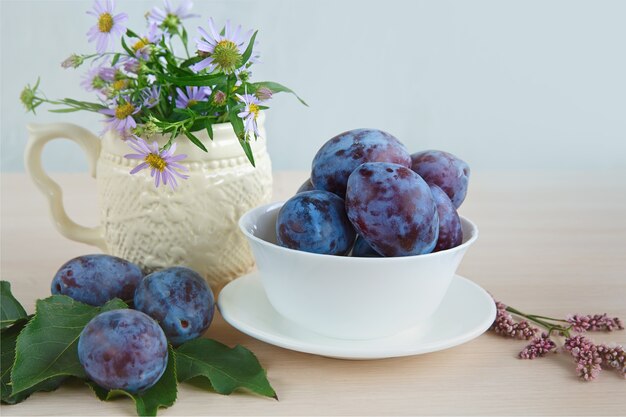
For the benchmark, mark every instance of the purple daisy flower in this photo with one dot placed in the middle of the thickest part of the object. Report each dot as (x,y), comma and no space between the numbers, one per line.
(97,78)
(108,27)
(169,18)
(223,52)
(163,163)
(242,74)
(151,96)
(130,65)
(193,95)
(121,115)
(250,113)
(143,45)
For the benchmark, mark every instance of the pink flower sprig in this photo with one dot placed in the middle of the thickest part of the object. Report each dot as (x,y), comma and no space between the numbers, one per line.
(589,358)
(505,326)
(596,322)
(538,347)
(613,357)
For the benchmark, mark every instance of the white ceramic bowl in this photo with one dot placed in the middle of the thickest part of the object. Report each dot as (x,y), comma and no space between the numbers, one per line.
(346,297)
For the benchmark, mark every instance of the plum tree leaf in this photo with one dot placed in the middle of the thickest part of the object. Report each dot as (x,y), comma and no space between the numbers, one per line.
(47,348)
(9,338)
(10,309)
(226,369)
(161,395)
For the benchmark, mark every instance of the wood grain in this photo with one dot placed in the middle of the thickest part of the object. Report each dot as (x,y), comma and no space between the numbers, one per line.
(550,243)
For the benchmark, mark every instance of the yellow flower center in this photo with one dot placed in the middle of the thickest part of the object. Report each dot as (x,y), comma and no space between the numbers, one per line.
(191,103)
(140,44)
(105,22)
(124,110)
(254,109)
(119,84)
(155,161)
(225,43)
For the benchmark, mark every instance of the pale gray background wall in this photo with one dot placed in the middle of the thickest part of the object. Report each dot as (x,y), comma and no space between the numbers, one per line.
(503,84)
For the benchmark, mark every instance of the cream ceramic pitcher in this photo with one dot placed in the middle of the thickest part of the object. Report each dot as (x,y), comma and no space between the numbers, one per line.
(195,225)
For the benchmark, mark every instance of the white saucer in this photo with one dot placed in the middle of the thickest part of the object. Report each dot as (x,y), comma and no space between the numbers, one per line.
(466,312)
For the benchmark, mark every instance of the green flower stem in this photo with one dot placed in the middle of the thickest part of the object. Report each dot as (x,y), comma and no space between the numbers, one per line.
(71,105)
(184,42)
(548,318)
(543,322)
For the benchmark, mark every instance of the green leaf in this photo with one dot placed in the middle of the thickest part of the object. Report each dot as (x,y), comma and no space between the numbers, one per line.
(75,105)
(197,125)
(195,140)
(161,395)
(116,58)
(248,52)
(226,369)
(10,309)
(70,110)
(245,145)
(238,127)
(209,128)
(237,123)
(197,80)
(126,48)
(131,34)
(9,338)
(47,347)
(188,62)
(184,37)
(276,88)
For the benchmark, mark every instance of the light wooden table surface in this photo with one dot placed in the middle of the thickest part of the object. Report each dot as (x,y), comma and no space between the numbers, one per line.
(550,244)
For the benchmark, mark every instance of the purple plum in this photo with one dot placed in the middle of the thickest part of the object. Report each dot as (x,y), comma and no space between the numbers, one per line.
(362,249)
(315,221)
(179,299)
(96,279)
(450,232)
(393,209)
(123,349)
(341,155)
(444,170)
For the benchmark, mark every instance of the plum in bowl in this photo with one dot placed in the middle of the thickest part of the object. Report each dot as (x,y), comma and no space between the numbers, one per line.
(350,297)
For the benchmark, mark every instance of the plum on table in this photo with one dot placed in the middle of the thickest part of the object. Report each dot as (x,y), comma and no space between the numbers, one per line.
(96,279)
(123,349)
(179,299)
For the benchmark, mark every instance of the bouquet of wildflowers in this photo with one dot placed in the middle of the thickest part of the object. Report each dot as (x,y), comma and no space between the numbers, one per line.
(150,88)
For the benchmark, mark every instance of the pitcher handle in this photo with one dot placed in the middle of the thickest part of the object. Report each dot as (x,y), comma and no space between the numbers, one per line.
(38,136)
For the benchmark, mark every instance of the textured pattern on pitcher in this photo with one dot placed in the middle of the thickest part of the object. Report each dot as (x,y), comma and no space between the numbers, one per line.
(194,226)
